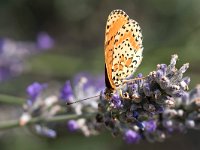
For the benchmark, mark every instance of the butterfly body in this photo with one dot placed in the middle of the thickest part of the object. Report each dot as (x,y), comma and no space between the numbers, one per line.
(123,48)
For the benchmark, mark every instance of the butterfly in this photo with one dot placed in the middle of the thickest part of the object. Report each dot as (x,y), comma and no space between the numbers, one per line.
(123,48)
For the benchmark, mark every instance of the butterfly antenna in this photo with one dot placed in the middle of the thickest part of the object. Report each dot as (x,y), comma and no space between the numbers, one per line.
(135,79)
(70,103)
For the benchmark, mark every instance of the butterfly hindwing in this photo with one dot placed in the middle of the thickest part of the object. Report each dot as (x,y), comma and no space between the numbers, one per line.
(123,48)
(127,53)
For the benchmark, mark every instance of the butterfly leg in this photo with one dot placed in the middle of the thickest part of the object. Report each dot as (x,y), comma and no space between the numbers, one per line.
(124,95)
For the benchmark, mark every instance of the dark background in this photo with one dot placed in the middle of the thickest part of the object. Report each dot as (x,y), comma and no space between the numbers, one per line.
(169,27)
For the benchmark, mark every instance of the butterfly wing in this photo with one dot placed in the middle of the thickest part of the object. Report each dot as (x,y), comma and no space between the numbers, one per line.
(127,53)
(116,20)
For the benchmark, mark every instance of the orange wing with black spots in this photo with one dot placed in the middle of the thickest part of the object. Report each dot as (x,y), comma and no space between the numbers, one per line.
(123,48)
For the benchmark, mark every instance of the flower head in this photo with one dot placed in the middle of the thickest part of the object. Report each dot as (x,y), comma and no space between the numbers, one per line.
(138,104)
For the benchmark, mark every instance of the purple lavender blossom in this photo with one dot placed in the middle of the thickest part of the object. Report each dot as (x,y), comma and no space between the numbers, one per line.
(116,101)
(135,87)
(145,100)
(41,104)
(44,131)
(150,126)
(34,90)
(66,93)
(140,75)
(131,137)
(135,114)
(44,41)
(163,67)
(159,74)
(13,54)
(146,88)
(88,81)
(84,79)
(72,125)
(85,86)
(150,108)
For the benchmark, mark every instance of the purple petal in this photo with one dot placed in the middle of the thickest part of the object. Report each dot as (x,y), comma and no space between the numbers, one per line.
(45,131)
(72,125)
(140,75)
(150,126)
(146,88)
(131,136)
(34,90)
(159,74)
(66,93)
(116,100)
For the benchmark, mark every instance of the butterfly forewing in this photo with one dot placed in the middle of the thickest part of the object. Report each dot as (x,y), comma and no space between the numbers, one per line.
(116,20)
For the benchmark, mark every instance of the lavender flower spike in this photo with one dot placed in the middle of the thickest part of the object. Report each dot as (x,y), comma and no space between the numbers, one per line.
(142,102)
(49,103)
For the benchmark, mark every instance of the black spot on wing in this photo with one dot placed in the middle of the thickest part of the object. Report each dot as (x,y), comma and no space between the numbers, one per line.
(135,61)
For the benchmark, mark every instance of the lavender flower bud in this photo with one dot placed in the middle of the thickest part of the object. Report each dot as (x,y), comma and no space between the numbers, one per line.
(131,136)
(134,87)
(164,82)
(72,125)
(44,131)
(186,80)
(173,61)
(159,74)
(183,85)
(34,90)
(184,68)
(157,94)
(67,93)
(140,75)
(116,101)
(146,88)
(150,126)
(135,114)
(190,123)
(163,67)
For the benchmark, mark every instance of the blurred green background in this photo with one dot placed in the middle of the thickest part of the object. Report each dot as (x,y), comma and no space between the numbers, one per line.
(78,26)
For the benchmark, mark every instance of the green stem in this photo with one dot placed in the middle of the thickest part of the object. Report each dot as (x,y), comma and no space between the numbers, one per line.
(11,99)
(60,118)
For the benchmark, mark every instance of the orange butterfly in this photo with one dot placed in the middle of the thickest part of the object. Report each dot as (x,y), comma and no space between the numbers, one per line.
(123,48)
